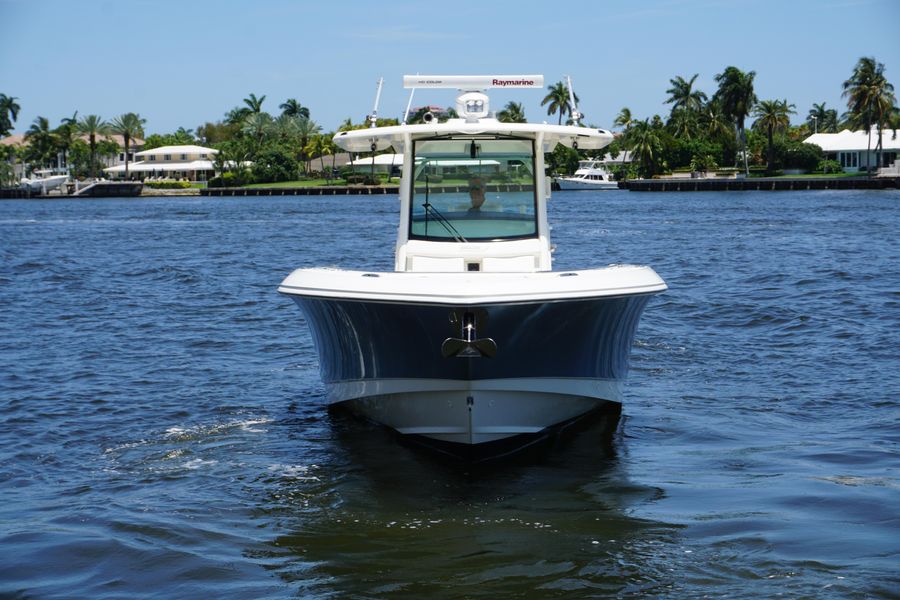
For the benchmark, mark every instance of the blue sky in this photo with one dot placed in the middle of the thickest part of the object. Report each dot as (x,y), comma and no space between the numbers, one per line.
(181,63)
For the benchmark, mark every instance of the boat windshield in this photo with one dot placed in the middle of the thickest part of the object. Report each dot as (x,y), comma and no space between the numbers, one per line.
(467,189)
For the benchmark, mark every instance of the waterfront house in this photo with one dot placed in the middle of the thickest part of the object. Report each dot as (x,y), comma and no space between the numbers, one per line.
(193,163)
(850,147)
(112,160)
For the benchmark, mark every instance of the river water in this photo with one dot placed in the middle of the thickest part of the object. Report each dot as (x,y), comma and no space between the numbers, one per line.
(163,430)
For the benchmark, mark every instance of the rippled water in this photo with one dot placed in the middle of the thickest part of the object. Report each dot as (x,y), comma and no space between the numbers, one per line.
(163,430)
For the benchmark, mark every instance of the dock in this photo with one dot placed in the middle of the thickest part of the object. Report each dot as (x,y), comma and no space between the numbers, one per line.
(331,190)
(761,184)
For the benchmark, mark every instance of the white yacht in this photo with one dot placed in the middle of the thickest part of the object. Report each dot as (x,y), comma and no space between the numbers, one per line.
(43,180)
(473,343)
(590,175)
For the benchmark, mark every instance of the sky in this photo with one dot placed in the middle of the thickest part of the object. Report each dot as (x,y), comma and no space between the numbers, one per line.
(182,63)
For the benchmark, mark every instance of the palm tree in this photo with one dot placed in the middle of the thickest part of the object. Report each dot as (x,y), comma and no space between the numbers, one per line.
(9,112)
(236,115)
(319,146)
(624,118)
(772,116)
(285,127)
(129,126)
(645,145)
(306,128)
(558,100)
(713,121)
(184,136)
(736,96)
(256,125)
(92,126)
(41,141)
(292,108)
(65,135)
(683,123)
(683,96)
(254,103)
(869,99)
(817,116)
(513,112)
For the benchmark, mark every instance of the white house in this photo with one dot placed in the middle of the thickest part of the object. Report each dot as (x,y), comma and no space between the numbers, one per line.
(850,147)
(194,163)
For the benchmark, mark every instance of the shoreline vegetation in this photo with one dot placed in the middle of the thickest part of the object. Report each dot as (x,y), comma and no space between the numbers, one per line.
(701,134)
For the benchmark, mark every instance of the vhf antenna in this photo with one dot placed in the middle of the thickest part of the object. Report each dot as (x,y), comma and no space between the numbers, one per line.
(573,108)
(408,105)
(373,118)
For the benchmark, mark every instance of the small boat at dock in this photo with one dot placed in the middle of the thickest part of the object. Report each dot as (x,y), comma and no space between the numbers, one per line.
(43,181)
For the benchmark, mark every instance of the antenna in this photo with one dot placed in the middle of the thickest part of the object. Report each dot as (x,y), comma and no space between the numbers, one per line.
(573,108)
(408,105)
(373,118)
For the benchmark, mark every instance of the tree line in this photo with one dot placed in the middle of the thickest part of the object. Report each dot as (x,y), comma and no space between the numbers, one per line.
(701,132)
(704,132)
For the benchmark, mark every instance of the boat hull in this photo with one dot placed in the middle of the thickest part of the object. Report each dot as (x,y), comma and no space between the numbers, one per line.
(566,183)
(554,361)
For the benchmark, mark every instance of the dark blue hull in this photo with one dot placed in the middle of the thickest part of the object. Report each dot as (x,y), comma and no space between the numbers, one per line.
(583,339)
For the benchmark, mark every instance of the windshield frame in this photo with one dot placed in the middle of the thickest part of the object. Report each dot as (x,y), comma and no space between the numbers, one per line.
(451,234)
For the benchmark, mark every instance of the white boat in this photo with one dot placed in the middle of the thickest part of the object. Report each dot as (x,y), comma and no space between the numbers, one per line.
(43,181)
(590,175)
(473,343)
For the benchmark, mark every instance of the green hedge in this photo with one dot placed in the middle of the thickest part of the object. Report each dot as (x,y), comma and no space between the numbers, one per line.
(168,185)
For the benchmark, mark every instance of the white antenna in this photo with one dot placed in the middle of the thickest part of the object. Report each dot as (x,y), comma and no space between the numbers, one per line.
(373,118)
(412,92)
(573,108)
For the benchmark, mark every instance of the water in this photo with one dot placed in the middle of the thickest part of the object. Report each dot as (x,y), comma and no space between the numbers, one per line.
(163,431)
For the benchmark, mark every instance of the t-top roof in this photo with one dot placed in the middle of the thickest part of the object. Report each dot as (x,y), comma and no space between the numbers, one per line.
(381,138)
(188,149)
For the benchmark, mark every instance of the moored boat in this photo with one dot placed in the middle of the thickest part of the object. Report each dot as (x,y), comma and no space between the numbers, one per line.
(590,175)
(473,343)
(43,180)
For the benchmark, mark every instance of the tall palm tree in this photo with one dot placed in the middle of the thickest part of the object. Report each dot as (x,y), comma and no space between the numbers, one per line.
(513,112)
(65,135)
(646,146)
(9,112)
(185,136)
(772,116)
(683,123)
(254,103)
(682,95)
(714,122)
(41,141)
(306,128)
(737,97)
(624,118)
(558,100)
(129,126)
(319,146)
(869,99)
(92,126)
(331,149)
(285,127)
(256,125)
(822,119)
(292,108)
